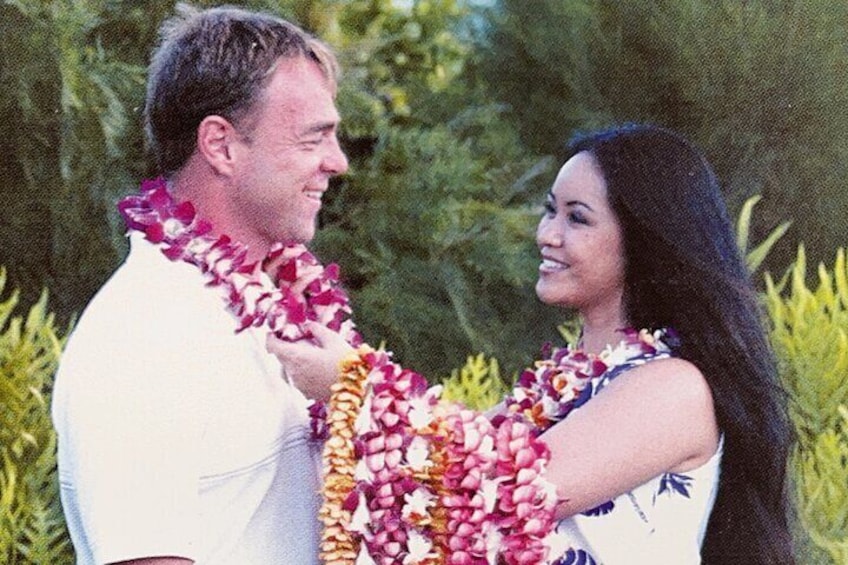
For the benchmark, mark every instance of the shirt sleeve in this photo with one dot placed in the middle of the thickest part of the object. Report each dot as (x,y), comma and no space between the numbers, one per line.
(131,424)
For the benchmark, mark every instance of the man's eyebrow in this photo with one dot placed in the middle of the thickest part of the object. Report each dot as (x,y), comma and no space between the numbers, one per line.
(321,127)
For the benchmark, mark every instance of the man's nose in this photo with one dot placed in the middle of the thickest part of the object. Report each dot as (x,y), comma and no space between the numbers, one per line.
(335,162)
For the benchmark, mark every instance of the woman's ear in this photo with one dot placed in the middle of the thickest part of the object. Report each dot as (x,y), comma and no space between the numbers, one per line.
(215,139)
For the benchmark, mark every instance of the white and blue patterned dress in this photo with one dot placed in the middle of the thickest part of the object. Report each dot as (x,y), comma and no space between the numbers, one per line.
(660,522)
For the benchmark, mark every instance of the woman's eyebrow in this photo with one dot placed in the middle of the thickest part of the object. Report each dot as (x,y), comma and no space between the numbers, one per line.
(579,203)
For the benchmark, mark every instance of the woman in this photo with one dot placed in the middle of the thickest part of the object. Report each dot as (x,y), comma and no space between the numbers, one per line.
(635,235)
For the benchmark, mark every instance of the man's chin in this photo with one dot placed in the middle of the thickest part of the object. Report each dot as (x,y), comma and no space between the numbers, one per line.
(302,234)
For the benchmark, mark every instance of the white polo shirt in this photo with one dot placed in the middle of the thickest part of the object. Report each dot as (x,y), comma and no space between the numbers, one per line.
(178,437)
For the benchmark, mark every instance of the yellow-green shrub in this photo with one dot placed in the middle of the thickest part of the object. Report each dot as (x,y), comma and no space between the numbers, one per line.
(32,529)
(478,384)
(810,337)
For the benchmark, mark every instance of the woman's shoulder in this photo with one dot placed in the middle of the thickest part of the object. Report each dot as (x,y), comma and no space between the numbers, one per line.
(670,375)
(678,394)
(672,384)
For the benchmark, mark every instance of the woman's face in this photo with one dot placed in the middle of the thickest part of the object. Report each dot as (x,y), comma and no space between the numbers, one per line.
(580,241)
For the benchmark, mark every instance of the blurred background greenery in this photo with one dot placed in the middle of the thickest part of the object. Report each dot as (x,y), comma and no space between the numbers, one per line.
(454,113)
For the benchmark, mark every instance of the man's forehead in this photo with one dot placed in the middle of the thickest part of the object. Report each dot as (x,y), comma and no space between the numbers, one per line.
(297,87)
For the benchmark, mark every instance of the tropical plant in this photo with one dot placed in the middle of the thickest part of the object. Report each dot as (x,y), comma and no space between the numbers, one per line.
(66,130)
(810,336)
(433,224)
(478,384)
(32,528)
(755,256)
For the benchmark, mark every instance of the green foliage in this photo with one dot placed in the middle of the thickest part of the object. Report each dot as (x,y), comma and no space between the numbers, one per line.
(433,224)
(755,257)
(32,528)
(478,384)
(404,54)
(67,125)
(437,250)
(759,85)
(810,336)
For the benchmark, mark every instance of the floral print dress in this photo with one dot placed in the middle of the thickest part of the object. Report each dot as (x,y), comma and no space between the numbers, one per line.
(660,522)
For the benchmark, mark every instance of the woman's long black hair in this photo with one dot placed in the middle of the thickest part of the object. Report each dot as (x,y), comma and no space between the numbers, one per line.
(683,270)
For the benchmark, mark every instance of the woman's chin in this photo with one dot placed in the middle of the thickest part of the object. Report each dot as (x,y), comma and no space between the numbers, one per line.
(551,296)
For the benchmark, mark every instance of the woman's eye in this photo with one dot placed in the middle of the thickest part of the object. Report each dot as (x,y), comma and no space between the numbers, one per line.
(550,209)
(577,218)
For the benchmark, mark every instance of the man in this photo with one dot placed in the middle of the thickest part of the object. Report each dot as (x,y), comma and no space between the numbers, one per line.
(179,442)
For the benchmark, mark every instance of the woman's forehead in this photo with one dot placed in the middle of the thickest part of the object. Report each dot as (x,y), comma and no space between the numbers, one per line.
(580,179)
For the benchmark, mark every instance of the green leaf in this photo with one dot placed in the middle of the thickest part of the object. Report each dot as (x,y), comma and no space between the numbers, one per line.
(743,223)
(758,254)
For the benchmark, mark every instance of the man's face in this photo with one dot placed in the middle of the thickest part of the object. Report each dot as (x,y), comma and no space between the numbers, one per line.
(284,165)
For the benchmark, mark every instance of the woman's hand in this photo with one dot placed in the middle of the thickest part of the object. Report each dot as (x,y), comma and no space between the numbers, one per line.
(312,365)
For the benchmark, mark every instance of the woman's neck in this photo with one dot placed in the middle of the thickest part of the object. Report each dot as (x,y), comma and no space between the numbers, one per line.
(602,328)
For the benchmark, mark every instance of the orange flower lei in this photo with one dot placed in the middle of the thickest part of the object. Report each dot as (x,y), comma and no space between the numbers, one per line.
(338,544)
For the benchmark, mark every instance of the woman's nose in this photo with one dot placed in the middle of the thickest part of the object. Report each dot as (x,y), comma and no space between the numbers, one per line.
(548,235)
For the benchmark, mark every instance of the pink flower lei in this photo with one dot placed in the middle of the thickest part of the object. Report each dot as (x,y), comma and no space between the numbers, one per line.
(253,296)
(430,482)
(553,387)
(408,479)
(425,482)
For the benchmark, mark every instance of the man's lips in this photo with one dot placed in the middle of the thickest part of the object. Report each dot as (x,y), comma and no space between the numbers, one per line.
(314,194)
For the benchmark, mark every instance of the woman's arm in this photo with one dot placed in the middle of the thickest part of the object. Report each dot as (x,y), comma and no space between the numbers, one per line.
(655,418)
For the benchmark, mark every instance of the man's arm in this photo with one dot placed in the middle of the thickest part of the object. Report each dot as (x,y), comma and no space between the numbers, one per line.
(156,561)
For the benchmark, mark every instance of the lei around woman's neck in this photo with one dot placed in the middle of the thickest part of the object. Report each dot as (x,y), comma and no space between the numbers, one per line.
(560,382)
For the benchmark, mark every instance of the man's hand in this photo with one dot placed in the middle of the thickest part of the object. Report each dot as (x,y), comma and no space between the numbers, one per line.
(312,365)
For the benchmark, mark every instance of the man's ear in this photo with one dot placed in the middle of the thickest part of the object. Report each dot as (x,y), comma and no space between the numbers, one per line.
(215,139)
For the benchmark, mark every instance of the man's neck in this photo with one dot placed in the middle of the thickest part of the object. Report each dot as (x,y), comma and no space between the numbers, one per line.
(207,192)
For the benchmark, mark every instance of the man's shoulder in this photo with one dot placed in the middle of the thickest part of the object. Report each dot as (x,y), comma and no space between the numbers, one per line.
(148,286)
(150,304)
(154,328)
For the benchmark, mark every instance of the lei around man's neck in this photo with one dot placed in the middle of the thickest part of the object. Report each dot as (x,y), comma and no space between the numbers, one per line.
(255,297)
